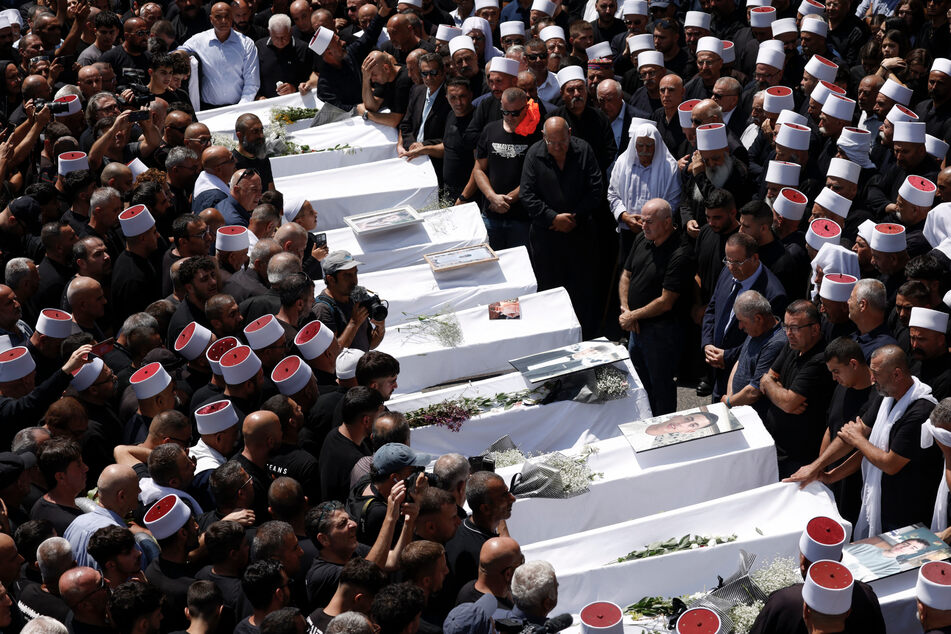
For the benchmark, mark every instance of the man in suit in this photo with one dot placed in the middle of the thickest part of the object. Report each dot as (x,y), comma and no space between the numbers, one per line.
(617,110)
(423,125)
(721,337)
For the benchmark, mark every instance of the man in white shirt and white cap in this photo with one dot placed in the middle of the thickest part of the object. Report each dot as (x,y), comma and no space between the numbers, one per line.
(218,430)
(929,349)
(911,158)
(821,542)
(933,593)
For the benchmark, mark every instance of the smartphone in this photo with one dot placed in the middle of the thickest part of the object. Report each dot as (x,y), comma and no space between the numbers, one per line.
(320,240)
(67,60)
(103,347)
(139,115)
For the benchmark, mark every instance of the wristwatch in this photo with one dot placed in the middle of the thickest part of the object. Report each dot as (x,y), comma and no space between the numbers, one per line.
(366,115)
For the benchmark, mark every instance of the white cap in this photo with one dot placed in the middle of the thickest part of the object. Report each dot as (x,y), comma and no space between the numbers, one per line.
(821,68)
(783,173)
(292,207)
(460,43)
(313,339)
(822,231)
(55,323)
(74,105)
(684,110)
(599,51)
(710,44)
(811,7)
(135,221)
(867,230)
(192,341)
(909,132)
(217,350)
(833,202)
(837,287)
(698,19)
(650,58)
(634,7)
(479,4)
(86,374)
(936,147)
(711,136)
(321,40)
(291,375)
(71,162)
(775,44)
(823,89)
(149,380)
(793,136)
(784,25)
(346,367)
(788,116)
(845,169)
(918,191)
(551,32)
(642,42)
(823,537)
(900,113)
(15,364)
(444,32)
(545,6)
(771,57)
(896,92)
(263,331)
(777,98)
(167,516)
(928,319)
(238,365)
(815,25)
(762,17)
(512,27)
(504,65)
(136,166)
(888,237)
(790,204)
(859,138)
(13,15)
(941,65)
(729,52)
(828,588)
(758,3)
(569,73)
(215,417)
(934,585)
(839,107)
(232,238)
(699,621)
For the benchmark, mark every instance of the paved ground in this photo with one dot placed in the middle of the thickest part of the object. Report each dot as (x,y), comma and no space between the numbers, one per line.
(687,397)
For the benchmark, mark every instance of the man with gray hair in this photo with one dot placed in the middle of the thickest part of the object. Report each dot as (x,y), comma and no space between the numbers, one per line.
(285,61)
(765,339)
(252,280)
(534,591)
(244,196)
(279,266)
(181,171)
(452,473)
(47,625)
(105,205)
(350,623)
(867,306)
(54,557)
(22,276)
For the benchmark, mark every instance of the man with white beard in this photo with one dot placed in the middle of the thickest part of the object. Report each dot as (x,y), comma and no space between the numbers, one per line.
(710,167)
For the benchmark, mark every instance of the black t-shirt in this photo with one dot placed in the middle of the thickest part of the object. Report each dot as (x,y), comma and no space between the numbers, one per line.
(231,592)
(462,551)
(119,58)
(469,594)
(395,94)
(245,627)
(654,269)
(846,404)
(173,580)
(336,316)
(58,515)
(33,601)
(337,457)
(505,153)
(290,460)
(262,165)
(261,481)
(456,161)
(798,436)
(318,621)
(323,576)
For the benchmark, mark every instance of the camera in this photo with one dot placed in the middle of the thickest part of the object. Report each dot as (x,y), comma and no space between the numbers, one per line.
(55,107)
(137,81)
(374,305)
(481,463)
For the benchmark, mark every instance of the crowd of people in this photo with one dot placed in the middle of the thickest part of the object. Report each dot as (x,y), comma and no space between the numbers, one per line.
(754,197)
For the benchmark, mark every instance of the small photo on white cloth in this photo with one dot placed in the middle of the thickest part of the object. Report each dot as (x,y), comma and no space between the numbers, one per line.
(673,429)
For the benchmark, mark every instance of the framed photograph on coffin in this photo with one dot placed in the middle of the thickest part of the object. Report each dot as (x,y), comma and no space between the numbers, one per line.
(457,258)
(384,220)
(569,359)
(896,551)
(680,427)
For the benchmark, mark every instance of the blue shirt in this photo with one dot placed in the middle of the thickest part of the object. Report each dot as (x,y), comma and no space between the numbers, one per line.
(756,358)
(233,212)
(514,11)
(81,529)
(229,70)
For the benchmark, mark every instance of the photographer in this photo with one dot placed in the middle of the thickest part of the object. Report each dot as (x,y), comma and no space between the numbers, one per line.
(350,323)
(113,144)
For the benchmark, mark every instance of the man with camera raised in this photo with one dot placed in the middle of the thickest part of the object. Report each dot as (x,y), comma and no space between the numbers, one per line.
(350,321)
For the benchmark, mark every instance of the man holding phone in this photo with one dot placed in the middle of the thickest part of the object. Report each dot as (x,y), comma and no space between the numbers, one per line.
(112,139)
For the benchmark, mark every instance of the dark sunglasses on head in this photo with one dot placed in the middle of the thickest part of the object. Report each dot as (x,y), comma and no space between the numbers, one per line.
(248,173)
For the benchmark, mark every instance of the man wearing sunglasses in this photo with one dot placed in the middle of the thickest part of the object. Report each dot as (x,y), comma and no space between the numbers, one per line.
(422,128)
(133,53)
(536,57)
(86,593)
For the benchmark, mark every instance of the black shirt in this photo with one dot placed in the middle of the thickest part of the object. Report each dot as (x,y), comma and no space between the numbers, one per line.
(846,404)
(119,58)
(710,250)
(33,601)
(323,576)
(547,190)
(456,161)
(505,154)
(935,373)
(469,594)
(173,580)
(656,268)
(291,460)
(318,621)
(462,551)
(782,613)
(245,627)
(336,316)
(342,86)
(261,480)
(395,94)
(337,457)
(135,285)
(58,515)
(231,592)
(291,64)
(263,167)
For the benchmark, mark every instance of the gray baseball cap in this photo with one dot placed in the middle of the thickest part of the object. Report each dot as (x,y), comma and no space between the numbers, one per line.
(394,456)
(338,261)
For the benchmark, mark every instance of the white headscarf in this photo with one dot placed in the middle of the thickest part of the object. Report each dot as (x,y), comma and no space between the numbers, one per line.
(856,148)
(930,433)
(476,23)
(938,225)
(628,177)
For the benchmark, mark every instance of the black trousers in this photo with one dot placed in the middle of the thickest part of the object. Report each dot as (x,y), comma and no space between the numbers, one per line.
(567,260)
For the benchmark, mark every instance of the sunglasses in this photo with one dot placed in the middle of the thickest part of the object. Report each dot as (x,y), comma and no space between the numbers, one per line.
(248,173)
(512,113)
(430,73)
(534,57)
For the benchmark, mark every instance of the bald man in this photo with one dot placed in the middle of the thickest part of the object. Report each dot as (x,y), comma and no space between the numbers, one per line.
(301,12)
(498,559)
(118,496)
(89,80)
(211,186)
(118,176)
(262,437)
(10,561)
(176,124)
(197,138)
(84,591)
(88,302)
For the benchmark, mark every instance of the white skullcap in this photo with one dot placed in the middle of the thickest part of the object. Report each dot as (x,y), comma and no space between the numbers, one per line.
(684,111)
(783,173)
(71,162)
(167,517)
(461,43)
(570,73)
(215,417)
(313,339)
(192,341)
(545,6)
(601,50)
(828,588)
(85,375)
(790,204)
(815,25)
(710,44)
(900,113)
(936,147)
(793,136)
(55,323)
(777,98)
(551,32)
(711,136)
(504,65)
(762,17)
(650,58)
(135,221)
(346,367)
(928,319)
(934,584)
(837,287)
(845,169)
(444,32)
(321,40)
(291,375)
(822,68)
(149,380)
(896,92)
(634,7)
(839,107)
(784,25)
(811,7)
(822,231)
(941,65)
(697,19)
(889,237)
(788,116)
(238,365)
(833,202)
(771,57)
(232,238)
(15,363)
(512,27)
(918,191)
(909,132)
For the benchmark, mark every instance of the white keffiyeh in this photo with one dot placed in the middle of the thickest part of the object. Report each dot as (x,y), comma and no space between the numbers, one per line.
(869,522)
(930,433)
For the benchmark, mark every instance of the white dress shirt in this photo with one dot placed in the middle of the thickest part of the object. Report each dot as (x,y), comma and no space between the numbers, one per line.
(550,90)
(230,72)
